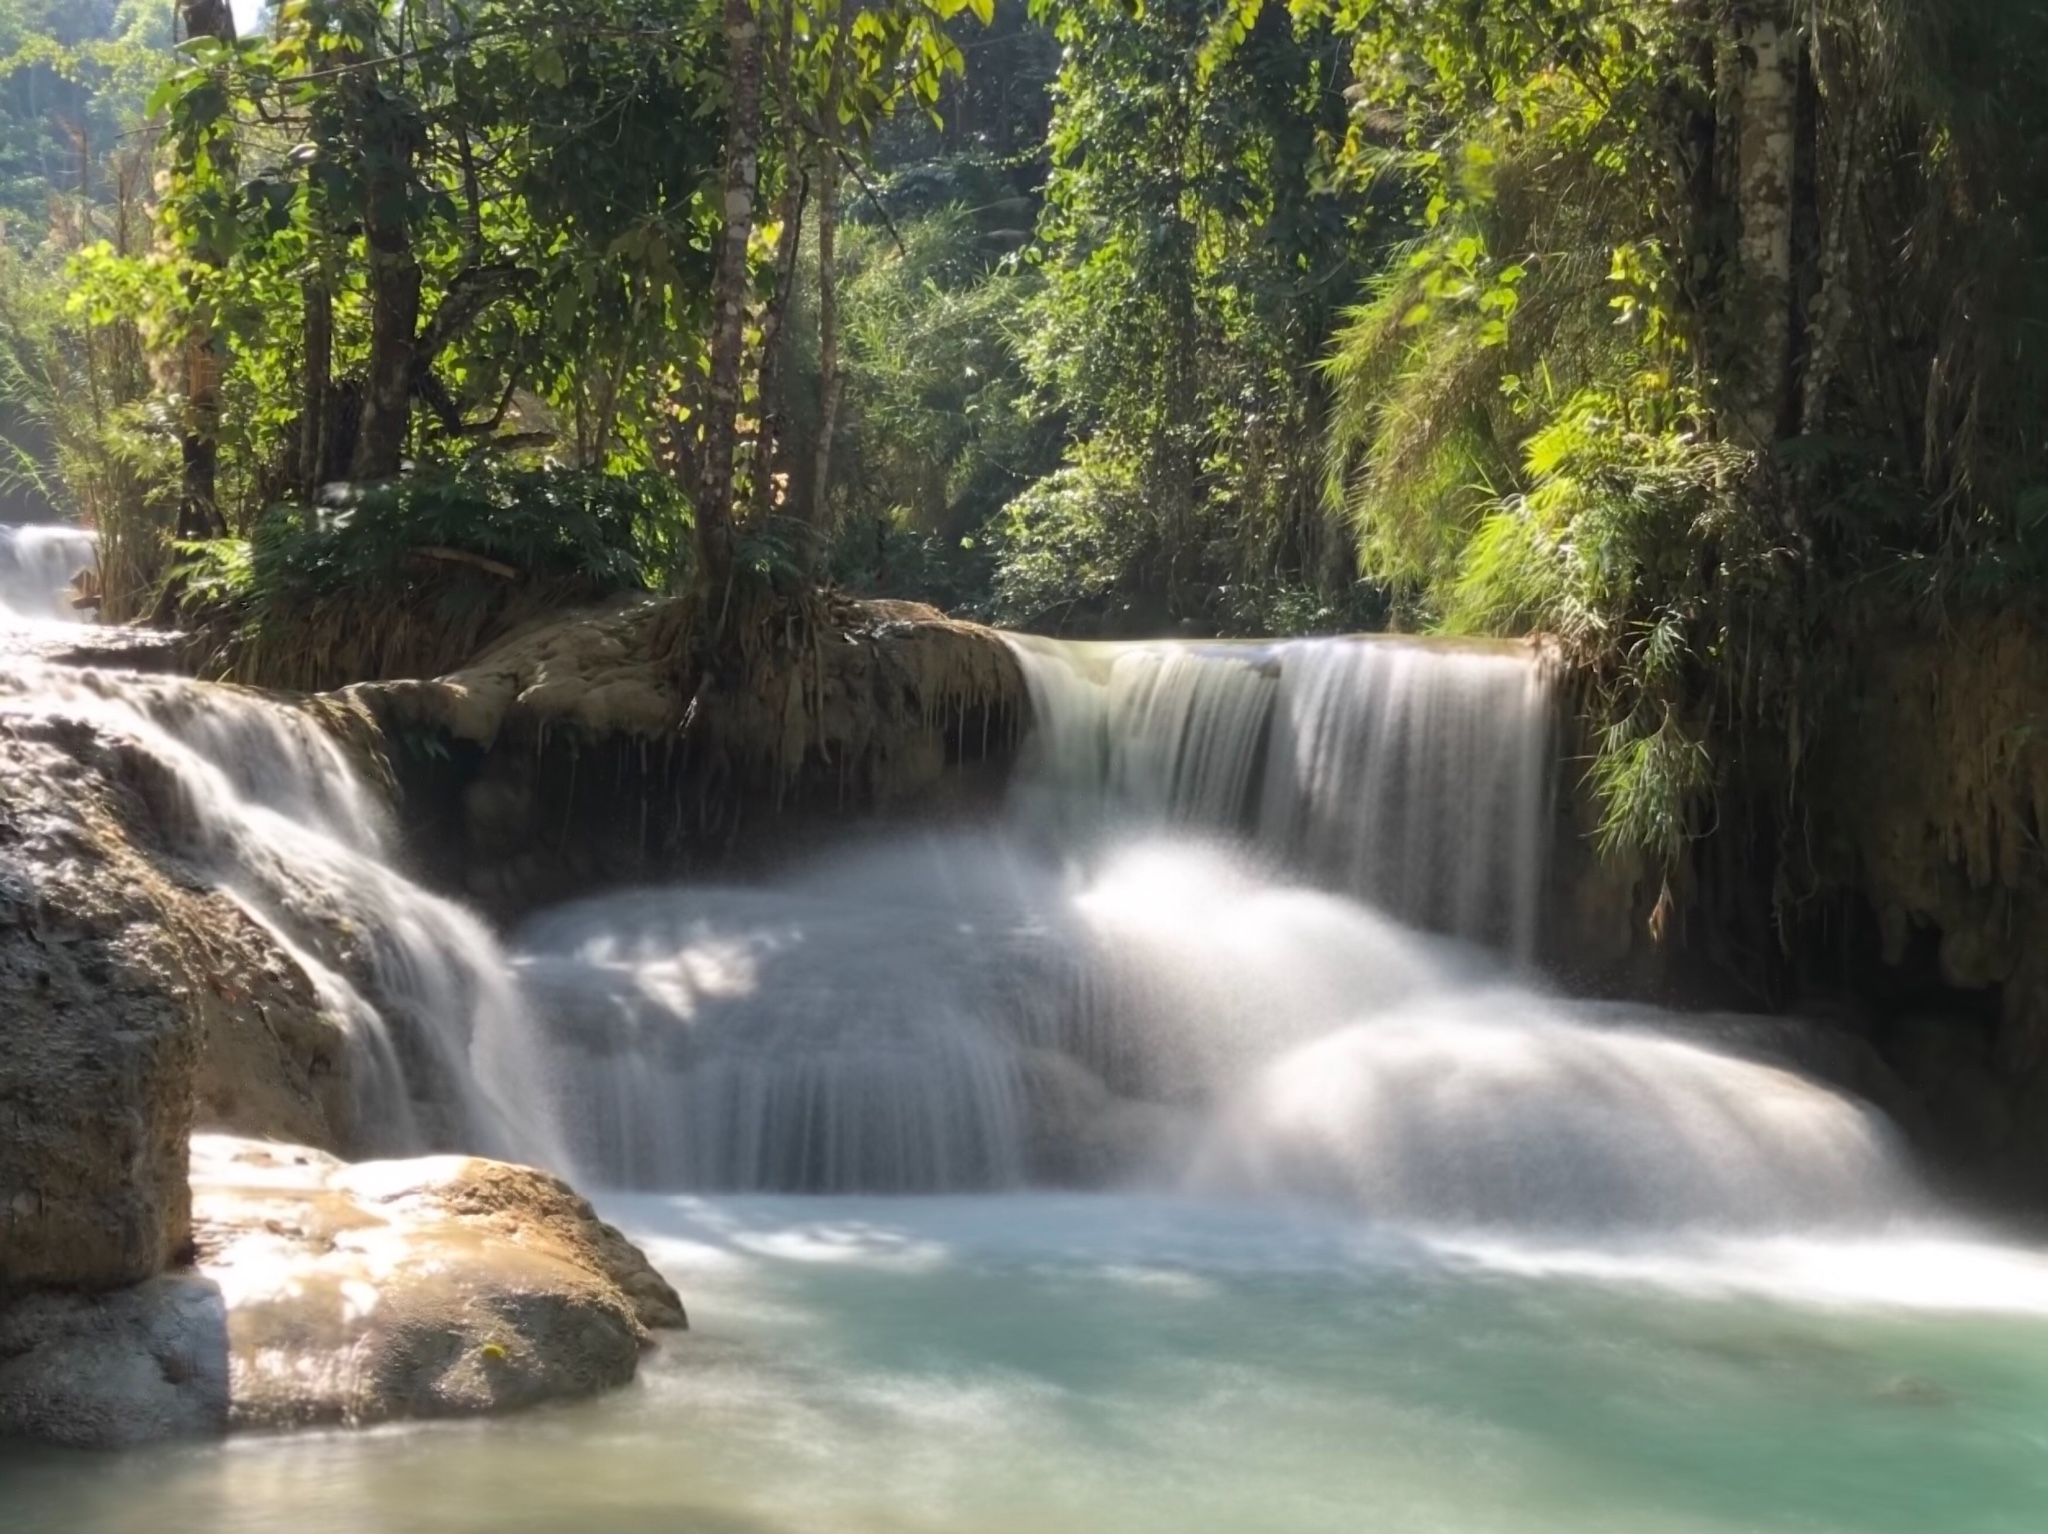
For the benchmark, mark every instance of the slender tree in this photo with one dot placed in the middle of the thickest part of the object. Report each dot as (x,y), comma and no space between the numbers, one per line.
(731,286)
(199,441)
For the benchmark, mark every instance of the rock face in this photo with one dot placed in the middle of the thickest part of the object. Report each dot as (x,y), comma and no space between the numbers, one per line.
(1934,787)
(98,1039)
(133,994)
(327,1293)
(588,751)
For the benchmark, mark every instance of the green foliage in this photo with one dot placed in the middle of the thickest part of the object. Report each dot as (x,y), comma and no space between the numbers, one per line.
(940,430)
(601,532)
(1196,247)
(411,577)
(73,77)
(1076,537)
(1536,420)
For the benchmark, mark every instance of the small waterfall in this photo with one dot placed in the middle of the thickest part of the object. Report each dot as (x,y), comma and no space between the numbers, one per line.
(854,1030)
(954,1013)
(1496,1108)
(1416,776)
(37,566)
(267,803)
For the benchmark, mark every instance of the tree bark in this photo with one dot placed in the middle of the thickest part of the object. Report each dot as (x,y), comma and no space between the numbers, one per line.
(1767,170)
(830,383)
(199,442)
(788,245)
(316,394)
(389,143)
(729,292)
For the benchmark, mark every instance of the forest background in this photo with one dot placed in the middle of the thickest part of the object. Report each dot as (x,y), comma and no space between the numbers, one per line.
(1702,338)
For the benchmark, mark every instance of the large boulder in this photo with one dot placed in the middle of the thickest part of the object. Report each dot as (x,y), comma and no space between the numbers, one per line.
(440,1287)
(332,1294)
(134,993)
(98,1033)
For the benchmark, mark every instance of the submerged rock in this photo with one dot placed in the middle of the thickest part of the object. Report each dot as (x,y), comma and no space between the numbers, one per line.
(334,1294)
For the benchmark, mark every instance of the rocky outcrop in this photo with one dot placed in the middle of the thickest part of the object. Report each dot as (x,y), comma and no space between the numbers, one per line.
(133,994)
(589,750)
(326,1293)
(99,1035)
(1931,793)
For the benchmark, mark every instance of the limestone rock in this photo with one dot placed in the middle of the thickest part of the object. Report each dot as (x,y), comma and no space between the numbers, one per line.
(98,1036)
(440,1287)
(130,991)
(559,760)
(106,1371)
(331,1294)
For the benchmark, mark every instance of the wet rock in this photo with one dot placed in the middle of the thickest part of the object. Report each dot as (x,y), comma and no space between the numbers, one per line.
(107,1371)
(439,1287)
(335,1294)
(98,1036)
(133,994)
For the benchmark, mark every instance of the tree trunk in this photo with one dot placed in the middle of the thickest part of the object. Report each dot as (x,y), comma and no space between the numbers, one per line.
(316,389)
(788,245)
(389,143)
(729,292)
(199,442)
(830,383)
(1767,149)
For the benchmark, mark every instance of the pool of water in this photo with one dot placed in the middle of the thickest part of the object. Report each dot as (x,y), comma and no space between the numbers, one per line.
(1031,1363)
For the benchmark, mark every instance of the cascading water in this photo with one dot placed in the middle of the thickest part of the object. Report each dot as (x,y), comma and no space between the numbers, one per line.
(38,563)
(1413,776)
(1118,968)
(794,1039)
(266,802)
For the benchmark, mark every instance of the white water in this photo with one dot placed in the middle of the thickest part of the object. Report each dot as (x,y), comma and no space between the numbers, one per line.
(932,1017)
(1110,992)
(264,803)
(37,565)
(1413,776)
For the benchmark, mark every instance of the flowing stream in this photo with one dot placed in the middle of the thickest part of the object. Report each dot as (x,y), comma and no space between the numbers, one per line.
(1191,1149)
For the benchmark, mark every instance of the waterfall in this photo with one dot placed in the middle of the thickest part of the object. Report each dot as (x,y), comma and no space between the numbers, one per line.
(960,1012)
(37,565)
(1415,776)
(268,804)
(1252,924)
(855,1030)
(1251,927)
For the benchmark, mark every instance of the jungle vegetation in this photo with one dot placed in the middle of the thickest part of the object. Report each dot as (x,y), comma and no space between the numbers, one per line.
(1698,336)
